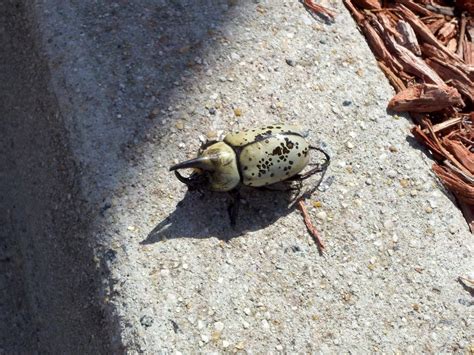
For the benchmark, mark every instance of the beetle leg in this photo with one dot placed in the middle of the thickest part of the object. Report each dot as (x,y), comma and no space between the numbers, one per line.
(233,208)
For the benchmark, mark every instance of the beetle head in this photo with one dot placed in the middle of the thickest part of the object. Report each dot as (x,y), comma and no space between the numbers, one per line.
(215,169)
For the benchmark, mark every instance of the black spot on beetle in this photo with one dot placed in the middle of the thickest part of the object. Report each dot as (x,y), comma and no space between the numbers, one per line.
(278,127)
(272,175)
(253,174)
(291,162)
(270,127)
(246,167)
(250,159)
(287,173)
(267,141)
(277,151)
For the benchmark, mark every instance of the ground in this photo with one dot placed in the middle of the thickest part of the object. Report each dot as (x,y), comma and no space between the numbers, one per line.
(132,88)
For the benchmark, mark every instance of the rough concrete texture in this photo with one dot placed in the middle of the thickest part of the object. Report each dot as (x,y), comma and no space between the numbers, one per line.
(137,84)
(48,280)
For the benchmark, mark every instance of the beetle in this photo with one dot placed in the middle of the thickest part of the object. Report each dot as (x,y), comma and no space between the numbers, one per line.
(257,158)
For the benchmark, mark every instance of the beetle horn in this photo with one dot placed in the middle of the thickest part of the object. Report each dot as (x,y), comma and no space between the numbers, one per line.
(204,163)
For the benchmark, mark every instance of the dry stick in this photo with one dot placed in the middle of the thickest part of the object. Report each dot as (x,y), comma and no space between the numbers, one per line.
(310,226)
(318,9)
(416,8)
(443,125)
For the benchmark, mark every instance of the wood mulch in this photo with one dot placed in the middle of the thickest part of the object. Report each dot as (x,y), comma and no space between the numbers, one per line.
(426,50)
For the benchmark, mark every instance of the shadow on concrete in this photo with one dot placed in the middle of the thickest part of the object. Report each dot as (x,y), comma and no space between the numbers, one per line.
(48,291)
(50,300)
(200,215)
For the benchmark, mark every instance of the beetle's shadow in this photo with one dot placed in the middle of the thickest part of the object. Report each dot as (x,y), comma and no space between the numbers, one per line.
(202,215)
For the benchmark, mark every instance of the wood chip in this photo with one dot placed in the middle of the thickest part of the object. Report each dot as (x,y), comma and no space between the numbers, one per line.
(422,30)
(410,62)
(396,82)
(463,190)
(408,37)
(425,98)
(455,76)
(416,8)
(461,39)
(434,23)
(461,152)
(447,32)
(368,4)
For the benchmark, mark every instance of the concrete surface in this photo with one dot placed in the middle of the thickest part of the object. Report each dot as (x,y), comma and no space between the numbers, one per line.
(129,88)
(48,280)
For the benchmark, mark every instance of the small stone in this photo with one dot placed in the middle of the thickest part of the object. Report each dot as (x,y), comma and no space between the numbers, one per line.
(413,193)
(212,111)
(235,56)
(388,224)
(165,272)
(146,321)
(205,338)
(240,345)
(201,324)
(216,335)
(346,103)
(322,215)
(350,145)
(428,210)
(404,182)
(211,135)
(279,347)
(317,204)
(219,326)
(368,181)
(393,149)
(237,112)
(131,228)
(225,344)
(247,311)
(245,324)
(392,174)
(290,62)
(180,125)
(265,324)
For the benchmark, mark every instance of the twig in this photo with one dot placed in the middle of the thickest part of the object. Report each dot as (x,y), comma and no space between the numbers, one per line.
(310,226)
(443,125)
(318,9)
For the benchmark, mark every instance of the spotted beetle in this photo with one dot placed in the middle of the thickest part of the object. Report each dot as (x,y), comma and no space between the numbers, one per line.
(256,158)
